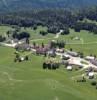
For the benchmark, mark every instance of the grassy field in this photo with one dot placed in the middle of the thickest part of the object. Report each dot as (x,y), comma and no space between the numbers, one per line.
(89,21)
(4,29)
(87,44)
(35,33)
(28,81)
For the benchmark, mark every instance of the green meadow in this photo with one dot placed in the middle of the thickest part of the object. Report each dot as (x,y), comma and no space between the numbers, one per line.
(28,81)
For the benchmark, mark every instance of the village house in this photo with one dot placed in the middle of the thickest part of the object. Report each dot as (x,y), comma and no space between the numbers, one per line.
(60,50)
(72,53)
(24,47)
(52,53)
(89,58)
(94,62)
(65,57)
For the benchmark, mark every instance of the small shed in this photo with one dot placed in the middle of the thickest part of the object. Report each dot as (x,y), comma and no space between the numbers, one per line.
(76,38)
(91,75)
(22,58)
(69,68)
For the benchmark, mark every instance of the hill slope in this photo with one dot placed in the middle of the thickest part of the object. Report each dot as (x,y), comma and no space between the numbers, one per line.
(29,4)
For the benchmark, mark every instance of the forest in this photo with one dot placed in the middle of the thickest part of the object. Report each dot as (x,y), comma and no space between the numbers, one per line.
(54,19)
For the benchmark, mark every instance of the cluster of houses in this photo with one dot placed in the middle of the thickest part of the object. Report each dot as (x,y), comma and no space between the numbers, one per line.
(92,59)
(39,49)
(68,58)
(55,48)
(92,70)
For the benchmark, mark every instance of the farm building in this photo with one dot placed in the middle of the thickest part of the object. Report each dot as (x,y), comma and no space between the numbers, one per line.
(74,54)
(23,46)
(94,62)
(42,50)
(60,50)
(52,53)
(65,57)
(90,58)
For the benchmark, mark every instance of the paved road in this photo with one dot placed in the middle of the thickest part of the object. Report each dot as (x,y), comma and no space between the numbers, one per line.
(77,61)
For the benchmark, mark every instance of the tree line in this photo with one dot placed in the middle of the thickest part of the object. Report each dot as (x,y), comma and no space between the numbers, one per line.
(53,19)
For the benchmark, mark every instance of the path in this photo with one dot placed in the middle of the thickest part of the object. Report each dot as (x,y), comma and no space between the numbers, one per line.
(40,39)
(11,45)
(58,34)
(83,43)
